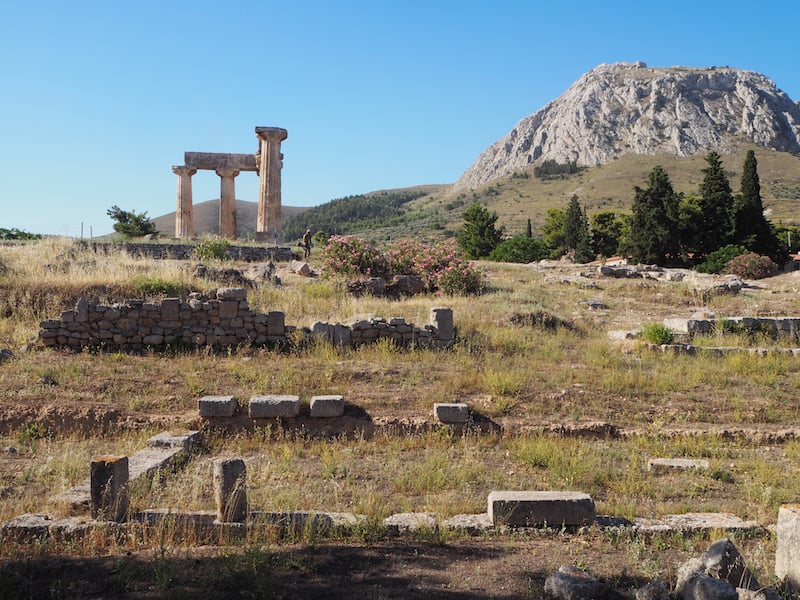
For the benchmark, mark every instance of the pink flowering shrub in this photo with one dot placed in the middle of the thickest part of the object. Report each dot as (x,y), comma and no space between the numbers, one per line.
(349,255)
(438,265)
(751,266)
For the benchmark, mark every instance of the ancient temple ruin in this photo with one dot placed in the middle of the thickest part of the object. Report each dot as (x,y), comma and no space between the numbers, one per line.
(267,162)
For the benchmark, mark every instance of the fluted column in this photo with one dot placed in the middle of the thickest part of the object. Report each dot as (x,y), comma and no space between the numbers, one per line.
(184,219)
(270,163)
(227,204)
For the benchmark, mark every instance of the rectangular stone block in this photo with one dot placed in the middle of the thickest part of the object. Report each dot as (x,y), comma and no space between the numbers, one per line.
(216,406)
(663,465)
(218,160)
(109,488)
(272,406)
(327,406)
(787,551)
(453,412)
(538,509)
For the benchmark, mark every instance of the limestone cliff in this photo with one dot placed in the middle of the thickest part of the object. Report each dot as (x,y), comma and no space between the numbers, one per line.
(631,108)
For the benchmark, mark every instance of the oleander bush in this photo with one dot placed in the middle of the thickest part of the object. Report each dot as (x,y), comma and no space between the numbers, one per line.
(437,264)
(751,266)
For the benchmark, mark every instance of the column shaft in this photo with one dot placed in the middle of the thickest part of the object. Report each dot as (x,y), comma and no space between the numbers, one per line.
(184,219)
(268,225)
(227,204)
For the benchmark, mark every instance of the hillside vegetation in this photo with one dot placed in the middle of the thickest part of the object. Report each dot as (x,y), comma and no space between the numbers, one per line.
(520,196)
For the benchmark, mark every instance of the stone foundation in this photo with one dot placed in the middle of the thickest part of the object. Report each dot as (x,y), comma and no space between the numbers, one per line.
(220,318)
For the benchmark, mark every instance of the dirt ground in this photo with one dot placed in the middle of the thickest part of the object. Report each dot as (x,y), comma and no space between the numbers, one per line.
(513,566)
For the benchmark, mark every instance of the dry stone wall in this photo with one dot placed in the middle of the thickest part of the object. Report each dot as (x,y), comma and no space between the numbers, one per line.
(220,318)
(186,251)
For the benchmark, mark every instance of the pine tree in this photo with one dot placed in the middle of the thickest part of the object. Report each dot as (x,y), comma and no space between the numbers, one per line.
(654,235)
(750,227)
(717,207)
(479,236)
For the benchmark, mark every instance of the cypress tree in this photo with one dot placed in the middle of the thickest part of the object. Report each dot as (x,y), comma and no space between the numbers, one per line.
(576,232)
(716,227)
(654,235)
(750,227)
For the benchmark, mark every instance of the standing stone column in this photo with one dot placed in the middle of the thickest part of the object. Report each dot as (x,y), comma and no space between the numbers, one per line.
(270,163)
(184,220)
(227,204)
(109,488)
(230,481)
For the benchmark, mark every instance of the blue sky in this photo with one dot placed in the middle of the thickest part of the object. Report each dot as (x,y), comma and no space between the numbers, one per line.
(100,99)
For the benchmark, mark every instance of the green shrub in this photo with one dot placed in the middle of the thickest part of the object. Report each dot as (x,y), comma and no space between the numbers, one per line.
(715,262)
(212,249)
(658,333)
(147,285)
(519,249)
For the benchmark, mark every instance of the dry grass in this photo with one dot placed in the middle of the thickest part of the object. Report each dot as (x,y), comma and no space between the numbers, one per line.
(522,374)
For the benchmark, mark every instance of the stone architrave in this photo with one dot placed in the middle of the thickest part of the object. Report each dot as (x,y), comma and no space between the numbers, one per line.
(270,163)
(184,219)
(227,203)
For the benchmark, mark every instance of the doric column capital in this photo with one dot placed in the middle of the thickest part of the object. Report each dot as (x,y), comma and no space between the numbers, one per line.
(271,134)
(225,173)
(183,170)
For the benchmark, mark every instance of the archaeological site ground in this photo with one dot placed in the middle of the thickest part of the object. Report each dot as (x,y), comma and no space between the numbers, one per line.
(378,450)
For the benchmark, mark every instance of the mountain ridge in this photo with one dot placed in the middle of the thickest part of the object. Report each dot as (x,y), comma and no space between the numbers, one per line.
(632,108)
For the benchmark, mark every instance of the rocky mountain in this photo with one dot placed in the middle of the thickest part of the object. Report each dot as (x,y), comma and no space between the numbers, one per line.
(632,108)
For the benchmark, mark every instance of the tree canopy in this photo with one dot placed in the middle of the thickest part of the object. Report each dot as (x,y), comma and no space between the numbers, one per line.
(654,235)
(131,223)
(479,236)
(715,227)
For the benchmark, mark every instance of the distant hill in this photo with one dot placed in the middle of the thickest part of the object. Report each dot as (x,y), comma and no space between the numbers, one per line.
(616,123)
(206,218)
(627,108)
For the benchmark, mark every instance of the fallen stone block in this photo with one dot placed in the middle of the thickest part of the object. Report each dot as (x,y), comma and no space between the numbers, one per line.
(572,583)
(273,406)
(327,406)
(541,509)
(454,412)
(694,522)
(724,561)
(217,406)
(700,585)
(401,523)
(469,524)
(664,465)
(183,441)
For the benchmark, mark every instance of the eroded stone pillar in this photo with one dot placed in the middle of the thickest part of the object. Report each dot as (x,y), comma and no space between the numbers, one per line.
(270,163)
(227,203)
(230,481)
(184,219)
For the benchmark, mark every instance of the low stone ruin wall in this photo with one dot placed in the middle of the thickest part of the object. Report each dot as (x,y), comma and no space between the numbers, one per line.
(186,251)
(773,326)
(220,318)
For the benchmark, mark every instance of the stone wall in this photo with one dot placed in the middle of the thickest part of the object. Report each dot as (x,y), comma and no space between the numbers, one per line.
(220,318)
(771,326)
(186,251)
